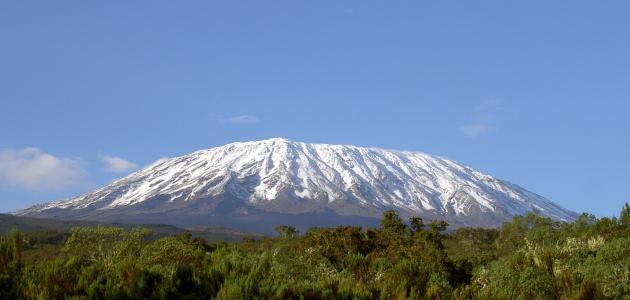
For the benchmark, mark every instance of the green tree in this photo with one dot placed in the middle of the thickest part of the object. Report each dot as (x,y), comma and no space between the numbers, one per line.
(416,224)
(286,231)
(392,223)
(624,218)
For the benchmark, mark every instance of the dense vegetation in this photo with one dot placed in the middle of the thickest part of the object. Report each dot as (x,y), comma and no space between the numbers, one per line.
(529,258)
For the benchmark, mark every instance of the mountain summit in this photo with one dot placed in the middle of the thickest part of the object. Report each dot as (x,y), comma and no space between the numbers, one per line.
(257,185)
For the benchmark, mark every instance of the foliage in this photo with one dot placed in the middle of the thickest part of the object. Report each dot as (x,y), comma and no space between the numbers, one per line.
(286,231)
(530,257)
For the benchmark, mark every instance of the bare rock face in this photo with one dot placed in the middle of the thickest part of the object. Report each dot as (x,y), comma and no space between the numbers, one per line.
(257,185)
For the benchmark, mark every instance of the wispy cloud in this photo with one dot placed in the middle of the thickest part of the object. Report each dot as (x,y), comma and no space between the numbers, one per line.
(474,130)
(242,119)
(482,117)
(35,169)
(116,164)
(487,105)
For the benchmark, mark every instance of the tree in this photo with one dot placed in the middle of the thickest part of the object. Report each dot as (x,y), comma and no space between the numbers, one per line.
(106,244)
(416,223)
(286,231)
(438,225)
(434,234)
(392,223)
(624,218)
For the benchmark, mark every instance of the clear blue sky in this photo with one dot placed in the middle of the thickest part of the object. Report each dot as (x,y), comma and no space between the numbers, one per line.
(534,92)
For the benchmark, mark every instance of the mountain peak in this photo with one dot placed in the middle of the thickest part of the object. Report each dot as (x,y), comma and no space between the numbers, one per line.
(282,177)
(274,140)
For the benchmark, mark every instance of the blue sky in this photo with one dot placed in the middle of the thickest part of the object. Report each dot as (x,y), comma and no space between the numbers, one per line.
(534,92)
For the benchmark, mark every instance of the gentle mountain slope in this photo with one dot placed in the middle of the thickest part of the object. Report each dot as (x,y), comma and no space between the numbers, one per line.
(28,225)
(282,179)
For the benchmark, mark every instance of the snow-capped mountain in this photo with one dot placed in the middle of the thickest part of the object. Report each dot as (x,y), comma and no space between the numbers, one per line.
(273,181)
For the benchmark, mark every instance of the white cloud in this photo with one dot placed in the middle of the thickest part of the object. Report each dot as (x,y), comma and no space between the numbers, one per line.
(243,119)
(116,164)
(483,115)
(474,130)
(35,169)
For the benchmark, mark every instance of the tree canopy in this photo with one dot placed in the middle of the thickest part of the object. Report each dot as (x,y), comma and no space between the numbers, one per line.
(530,257)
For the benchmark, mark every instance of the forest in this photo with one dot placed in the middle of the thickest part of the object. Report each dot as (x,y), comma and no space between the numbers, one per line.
(531,257)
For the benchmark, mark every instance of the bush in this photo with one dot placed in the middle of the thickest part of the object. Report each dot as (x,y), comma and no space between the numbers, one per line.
(529,258)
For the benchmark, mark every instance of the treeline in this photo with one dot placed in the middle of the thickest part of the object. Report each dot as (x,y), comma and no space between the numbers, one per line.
(529,258)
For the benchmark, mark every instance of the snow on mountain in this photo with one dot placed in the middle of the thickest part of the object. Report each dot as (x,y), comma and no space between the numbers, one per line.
(287,177)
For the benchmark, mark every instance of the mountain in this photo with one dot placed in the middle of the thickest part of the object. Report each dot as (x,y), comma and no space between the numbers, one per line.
(63,227)
(257,185)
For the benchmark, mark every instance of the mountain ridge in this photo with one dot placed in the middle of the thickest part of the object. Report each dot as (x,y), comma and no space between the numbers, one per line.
(280,176)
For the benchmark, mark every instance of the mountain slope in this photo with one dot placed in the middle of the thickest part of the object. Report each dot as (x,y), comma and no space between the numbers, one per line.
(29,225)
(278,178)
